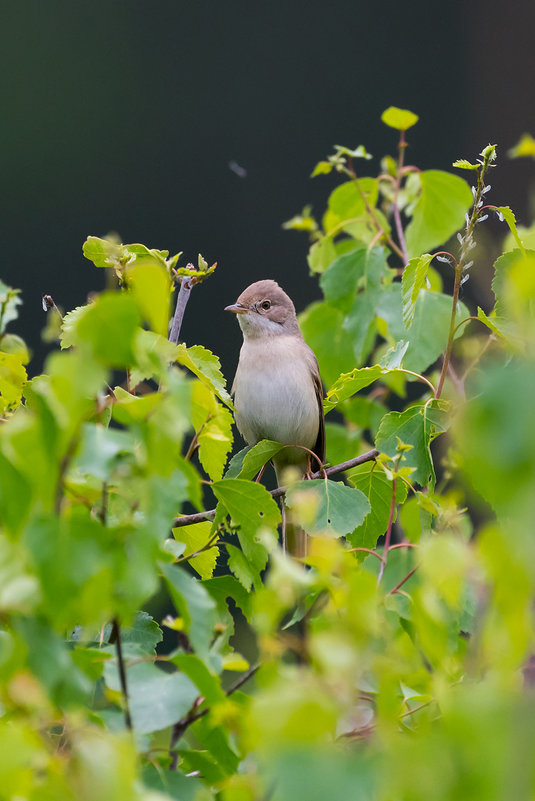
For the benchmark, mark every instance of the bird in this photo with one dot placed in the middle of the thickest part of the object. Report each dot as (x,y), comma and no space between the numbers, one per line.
(277,390)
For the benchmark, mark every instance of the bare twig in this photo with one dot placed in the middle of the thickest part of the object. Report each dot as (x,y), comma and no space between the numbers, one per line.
(186,285)
(116,638)
(182,725)
(403,580)
(199,517)
(397,216)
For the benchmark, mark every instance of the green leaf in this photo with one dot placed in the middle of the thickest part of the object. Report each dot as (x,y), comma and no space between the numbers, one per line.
(103,252)
(510,219)
(399,118)
(213,424)
(322,327)
(171,783)
(9,301)
(377,487)
(130,408)
(514,285)
(207,367)
(144,632)
(340,279)
(505,329)
(346,209)
(235,465)
(195,537)
(13,378)
(338,509)
(100,449)
(438,212)
(321,254)
(156,699)
(428,335)
(413,279)
(150,284)
(206,681)
(256,457)
(348,384)
(416,426)
(463,164)
(524,147)
(107,327)
(194,604)
(240,567)
(322,168)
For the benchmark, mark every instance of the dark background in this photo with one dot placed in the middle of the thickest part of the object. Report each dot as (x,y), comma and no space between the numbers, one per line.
(125,114)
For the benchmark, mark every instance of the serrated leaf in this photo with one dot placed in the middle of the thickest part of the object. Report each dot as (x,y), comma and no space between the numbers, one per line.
(256,457)
(149,282)
(107,327)
(144,632)
(463,164)
(399,118)
(510,219)
(339,509)
(438,212)
(9,301)
(413,279)
(207,367)
(348,384)
(415,427)
(240,567)
(428,335)
(13,378)
(213,424)
(103,252)
(195,537)
(156,699)
(377,487)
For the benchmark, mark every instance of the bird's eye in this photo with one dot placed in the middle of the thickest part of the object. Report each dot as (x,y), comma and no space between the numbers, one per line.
(266,304)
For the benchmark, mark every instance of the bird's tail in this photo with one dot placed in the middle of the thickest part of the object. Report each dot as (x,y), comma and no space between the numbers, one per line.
(294,538)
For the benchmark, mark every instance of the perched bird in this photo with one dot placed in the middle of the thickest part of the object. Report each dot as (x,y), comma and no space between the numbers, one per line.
(277,389)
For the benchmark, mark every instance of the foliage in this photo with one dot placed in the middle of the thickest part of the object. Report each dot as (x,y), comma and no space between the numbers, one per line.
(395,662)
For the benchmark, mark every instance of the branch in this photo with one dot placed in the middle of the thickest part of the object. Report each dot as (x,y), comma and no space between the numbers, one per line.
(200,517)
(180,726)
(186,285)
(116,638)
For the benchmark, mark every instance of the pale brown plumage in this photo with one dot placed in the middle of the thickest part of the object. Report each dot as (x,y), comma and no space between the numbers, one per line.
(277,389)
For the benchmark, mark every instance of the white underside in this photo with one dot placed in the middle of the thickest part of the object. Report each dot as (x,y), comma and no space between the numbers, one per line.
(274,391)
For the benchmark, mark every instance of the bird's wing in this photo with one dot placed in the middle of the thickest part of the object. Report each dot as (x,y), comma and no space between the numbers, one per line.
(319,447)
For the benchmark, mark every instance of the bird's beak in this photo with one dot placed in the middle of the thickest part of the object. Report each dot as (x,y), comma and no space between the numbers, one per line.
(237,308)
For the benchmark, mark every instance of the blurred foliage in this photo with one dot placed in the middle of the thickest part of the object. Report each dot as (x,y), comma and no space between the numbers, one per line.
(396,661)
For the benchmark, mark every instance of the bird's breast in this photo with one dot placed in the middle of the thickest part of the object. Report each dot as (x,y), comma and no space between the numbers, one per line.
(274,391)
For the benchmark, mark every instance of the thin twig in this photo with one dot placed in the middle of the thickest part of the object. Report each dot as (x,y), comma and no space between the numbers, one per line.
(371,212)
(182,725)
(116,638)
(397,216)
(186,285)
(403,580)
(199,517)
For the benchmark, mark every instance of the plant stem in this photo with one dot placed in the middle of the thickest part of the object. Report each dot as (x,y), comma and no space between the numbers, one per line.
(403,580)
(397,216)
(116,637)
(186,285)
(199,517)
(180,726)
(371,212)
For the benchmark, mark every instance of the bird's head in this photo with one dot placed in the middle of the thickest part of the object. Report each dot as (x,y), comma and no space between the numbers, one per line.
(264,309)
